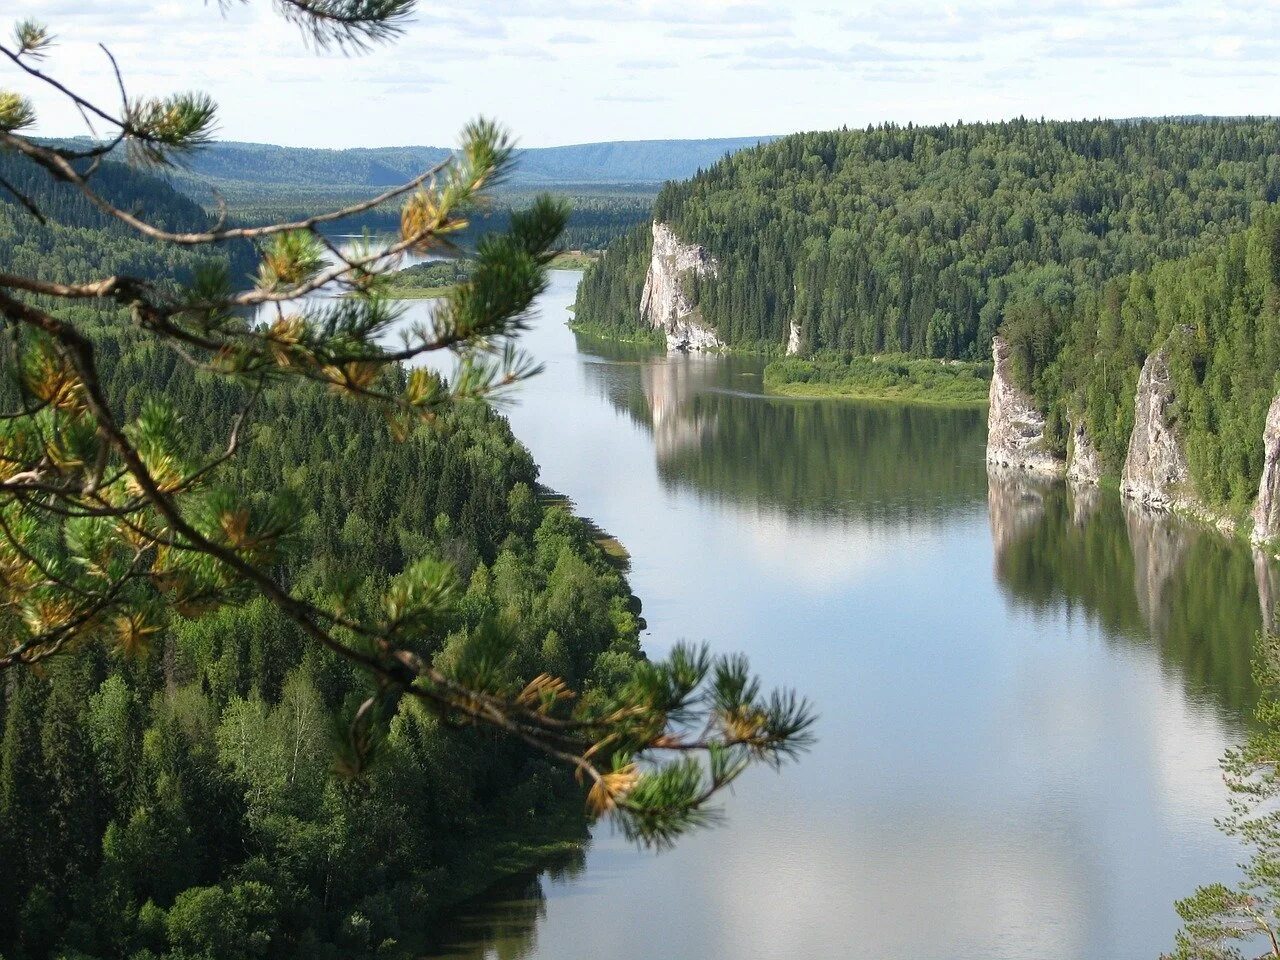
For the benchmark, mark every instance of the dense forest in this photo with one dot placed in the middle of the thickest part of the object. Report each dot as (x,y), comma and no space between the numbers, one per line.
(78,239)
(1216,310)
(924,240)
(178,802)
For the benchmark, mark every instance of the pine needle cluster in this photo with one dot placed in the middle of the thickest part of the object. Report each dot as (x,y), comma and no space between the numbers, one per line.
(112,525)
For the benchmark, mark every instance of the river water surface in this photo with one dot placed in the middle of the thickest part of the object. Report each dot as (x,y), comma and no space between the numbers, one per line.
(1023,695)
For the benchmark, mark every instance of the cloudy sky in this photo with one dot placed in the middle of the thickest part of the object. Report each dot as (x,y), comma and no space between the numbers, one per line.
(571,71)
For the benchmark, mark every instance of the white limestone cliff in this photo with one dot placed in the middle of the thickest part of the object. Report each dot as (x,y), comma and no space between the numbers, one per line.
(793,340)
(1155,468)
(1084,462)
(1266,512)
(1156,473)
(1015,428)
(665,303)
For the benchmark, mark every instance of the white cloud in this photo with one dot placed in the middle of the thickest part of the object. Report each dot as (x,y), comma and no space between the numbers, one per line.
(561,71)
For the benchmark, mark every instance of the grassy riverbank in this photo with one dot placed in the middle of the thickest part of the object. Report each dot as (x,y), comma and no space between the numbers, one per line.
(891,377)
(643,335)
(575,259)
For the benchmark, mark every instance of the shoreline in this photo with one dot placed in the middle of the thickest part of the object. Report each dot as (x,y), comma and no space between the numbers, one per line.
(825,391)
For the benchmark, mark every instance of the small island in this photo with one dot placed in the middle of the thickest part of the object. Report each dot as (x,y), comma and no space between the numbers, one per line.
(893,377)
(437,278)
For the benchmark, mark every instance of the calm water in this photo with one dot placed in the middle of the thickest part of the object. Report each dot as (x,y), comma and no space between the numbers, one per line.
(1023,694)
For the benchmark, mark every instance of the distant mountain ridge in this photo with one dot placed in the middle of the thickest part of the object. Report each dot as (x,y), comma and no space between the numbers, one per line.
(616,162)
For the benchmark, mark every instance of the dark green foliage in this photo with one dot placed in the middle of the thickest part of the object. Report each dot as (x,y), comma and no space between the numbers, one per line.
(435,273)
(386,647)
(185,804)
(1217,311)
(81,241)
(925,239)
(882,377)
(609,295)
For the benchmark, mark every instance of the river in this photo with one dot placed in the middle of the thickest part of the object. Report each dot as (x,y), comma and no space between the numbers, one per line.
(1023,694)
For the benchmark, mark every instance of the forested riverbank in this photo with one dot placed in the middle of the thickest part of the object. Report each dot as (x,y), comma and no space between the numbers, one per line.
(926,239)
(890,377)
(173,794)
(886,261)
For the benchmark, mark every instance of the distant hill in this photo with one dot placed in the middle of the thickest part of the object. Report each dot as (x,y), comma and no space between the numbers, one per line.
(619,162)
(610,186)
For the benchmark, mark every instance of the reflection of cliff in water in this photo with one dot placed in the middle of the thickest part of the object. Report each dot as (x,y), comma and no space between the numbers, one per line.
(653,388)
(1145,576)
(502,923)
(715,434)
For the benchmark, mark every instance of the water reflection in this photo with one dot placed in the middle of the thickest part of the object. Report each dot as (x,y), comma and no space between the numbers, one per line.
(1142,576)
(714,433)
(503,923)
(1024,692)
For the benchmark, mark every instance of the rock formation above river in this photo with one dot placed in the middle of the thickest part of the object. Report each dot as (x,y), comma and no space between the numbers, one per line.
(666,304)
(1266,512)
(1015,433)
(1083,459)
(1155,468)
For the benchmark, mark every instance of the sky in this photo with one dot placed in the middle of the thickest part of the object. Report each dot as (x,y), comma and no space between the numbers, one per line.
(575,71)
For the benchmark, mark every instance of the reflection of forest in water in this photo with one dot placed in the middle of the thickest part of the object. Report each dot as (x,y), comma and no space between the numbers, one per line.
(502,923)
(715,434)
(1139,575)
(1145,576)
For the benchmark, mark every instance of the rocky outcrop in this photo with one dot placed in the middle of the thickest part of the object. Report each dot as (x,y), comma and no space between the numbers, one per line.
(793,340)
(1266,512)
(666,303)
(1155,467)
(1015,428)
(1156,473)
(1084,462)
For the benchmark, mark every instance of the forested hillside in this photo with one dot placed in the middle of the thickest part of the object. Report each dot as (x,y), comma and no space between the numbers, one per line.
(79,240)
(1217,310)
(924,240)
(174,797)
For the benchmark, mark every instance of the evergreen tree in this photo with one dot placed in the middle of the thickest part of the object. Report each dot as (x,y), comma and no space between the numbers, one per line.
(268,591)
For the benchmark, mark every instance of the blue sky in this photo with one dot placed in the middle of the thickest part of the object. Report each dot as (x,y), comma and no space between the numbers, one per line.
(570,71)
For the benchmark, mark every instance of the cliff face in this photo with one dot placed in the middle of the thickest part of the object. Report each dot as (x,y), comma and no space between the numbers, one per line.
(1266,512)
(1155,467)
(1084,463)
(793,340)
(1015,428)
(665,303)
